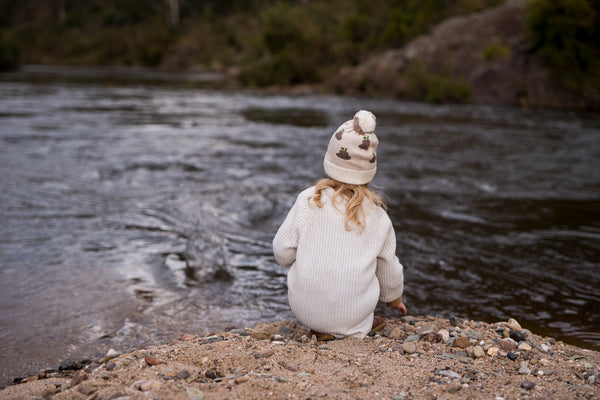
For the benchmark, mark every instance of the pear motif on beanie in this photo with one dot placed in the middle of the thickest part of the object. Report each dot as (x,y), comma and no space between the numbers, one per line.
(351,154)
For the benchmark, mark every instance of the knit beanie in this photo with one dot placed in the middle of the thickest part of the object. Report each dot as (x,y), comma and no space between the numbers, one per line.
(351,154)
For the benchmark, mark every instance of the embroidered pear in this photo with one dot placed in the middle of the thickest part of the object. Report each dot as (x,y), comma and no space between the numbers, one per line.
(365,143)
(343,153)
(372,160)
(338,134)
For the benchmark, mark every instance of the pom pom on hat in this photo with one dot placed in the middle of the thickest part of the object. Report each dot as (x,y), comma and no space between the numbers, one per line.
(352,152)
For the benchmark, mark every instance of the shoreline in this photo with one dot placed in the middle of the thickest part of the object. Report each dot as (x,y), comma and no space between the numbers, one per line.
(411,358)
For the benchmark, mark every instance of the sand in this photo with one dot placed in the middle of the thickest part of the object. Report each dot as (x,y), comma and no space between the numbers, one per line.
(411,358)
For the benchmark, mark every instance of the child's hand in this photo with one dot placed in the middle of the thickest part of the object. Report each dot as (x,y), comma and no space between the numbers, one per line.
(398,305)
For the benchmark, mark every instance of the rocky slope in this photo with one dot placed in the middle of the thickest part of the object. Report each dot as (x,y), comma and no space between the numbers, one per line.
(488,50)
(411,358)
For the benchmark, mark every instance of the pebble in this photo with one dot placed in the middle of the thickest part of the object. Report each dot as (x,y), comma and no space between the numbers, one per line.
(396,333)
(448,373)
(524,370)
(143,385)
(514,325)
(241,379)
(517,336)
(265,354)
(152,361)
(286,331)
(182,374)
(194,394)
(507,345)
(110,365)
(426,329)
(445,335)
(127,360)
(527,385)
(69,365)
(409,347)
(210,374)
(455,321)
(512,356)
(525,347)
(478,352)
(462,342)
(412,338)
(493,351)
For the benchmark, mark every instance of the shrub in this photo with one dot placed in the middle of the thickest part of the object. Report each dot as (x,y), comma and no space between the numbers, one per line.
(566,36)
(421,84)
(9,52)
(494,51)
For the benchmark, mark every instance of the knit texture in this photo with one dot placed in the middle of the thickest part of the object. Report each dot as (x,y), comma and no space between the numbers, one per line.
(351,156)
(337,276)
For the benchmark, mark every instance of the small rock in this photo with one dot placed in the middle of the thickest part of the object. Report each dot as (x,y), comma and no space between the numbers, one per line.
(507,345)
(194,394)
(241,379)
(448,373)
(286,332)
(143,385)
(281,379)
(409,347)
(527,385)
(69,365)
(182,375)
(512,356)
(210,374)
(493,351)
(455,321)
(461,342)
(525,347)
(152,361)
(412,338)
(127,360)
(265,354)
(591,379)
(478,352)
(517,336)
(514,325)
(187,337)
(79,377)
(544,347)
(445,335)
(110,365)
(396,333)
(524,370)
(426,329)
(469,350)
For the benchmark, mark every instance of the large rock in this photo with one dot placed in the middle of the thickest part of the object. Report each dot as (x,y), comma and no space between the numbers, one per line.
(487,50)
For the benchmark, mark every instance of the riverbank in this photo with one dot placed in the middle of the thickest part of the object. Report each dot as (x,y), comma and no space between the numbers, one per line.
(411,358)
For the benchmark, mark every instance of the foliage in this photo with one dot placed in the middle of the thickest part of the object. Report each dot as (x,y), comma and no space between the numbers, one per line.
(9,52)
(495,50)
(421,84)
(566,36)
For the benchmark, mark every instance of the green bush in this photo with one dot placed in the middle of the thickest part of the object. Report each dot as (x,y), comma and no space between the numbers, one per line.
(9,52)
(421,84)
(566,36)
(494,51)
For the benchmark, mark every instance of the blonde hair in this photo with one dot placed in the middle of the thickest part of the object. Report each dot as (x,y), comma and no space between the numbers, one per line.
(354,194)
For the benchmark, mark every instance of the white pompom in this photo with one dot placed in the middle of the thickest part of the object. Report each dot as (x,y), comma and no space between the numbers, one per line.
(364,122)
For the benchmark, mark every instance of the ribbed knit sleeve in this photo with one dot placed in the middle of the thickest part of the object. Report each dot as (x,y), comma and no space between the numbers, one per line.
(390,272)
(285,242)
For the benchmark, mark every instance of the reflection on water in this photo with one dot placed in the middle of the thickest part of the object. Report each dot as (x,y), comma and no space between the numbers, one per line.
(140,209)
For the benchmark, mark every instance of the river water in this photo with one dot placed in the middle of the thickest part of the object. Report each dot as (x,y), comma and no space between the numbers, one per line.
(138,205)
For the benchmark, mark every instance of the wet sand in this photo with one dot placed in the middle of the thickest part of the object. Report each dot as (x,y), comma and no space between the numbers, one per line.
(411,358)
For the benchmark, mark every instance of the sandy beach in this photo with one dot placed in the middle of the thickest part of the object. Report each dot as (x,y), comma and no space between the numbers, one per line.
(411,358)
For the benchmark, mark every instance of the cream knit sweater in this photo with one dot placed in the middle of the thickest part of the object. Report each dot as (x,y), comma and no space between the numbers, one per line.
(337,276)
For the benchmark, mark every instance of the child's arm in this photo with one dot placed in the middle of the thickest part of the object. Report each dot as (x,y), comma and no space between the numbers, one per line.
(285,242)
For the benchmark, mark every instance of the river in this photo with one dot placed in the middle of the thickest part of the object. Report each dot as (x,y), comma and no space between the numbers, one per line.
(137,205)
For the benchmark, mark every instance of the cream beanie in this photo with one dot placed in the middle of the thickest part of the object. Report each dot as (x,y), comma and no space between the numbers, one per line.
(351,154)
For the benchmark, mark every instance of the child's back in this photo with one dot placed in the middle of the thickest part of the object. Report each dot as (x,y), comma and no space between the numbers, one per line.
(340,243)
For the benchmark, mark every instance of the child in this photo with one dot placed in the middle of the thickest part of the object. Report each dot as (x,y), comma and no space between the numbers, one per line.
(340,243)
